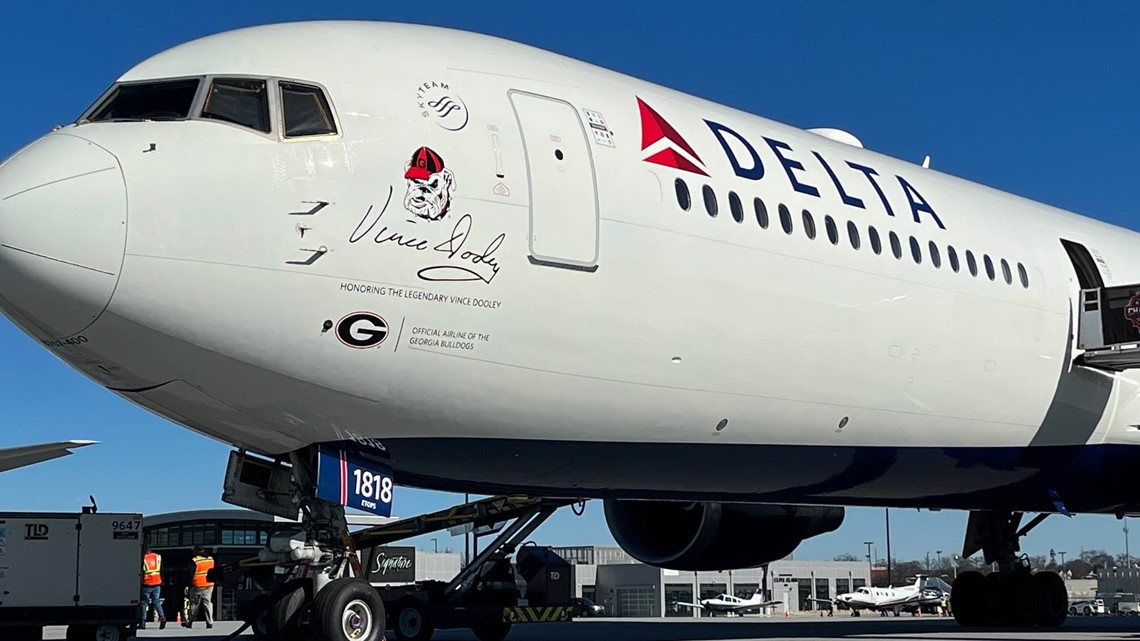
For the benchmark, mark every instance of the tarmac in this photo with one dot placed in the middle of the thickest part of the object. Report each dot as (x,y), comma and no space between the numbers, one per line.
(740,629)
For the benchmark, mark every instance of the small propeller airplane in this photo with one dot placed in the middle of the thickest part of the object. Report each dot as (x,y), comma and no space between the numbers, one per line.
(925,591)
(730,604)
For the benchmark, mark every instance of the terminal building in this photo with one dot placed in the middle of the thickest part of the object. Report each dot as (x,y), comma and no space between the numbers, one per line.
(626,588)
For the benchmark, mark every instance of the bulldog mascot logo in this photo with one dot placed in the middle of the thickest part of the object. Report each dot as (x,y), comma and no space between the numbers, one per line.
(430,185)
(1132,311)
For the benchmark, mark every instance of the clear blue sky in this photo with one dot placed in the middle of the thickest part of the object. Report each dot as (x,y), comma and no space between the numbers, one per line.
(1034,98)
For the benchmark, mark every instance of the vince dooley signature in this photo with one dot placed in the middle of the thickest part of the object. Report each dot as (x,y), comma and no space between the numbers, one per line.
(464,264)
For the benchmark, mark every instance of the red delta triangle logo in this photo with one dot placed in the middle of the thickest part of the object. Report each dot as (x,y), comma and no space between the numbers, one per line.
(656,133)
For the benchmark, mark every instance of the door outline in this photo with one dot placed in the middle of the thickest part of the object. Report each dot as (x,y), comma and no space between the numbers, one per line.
(552,261)
(1088,275)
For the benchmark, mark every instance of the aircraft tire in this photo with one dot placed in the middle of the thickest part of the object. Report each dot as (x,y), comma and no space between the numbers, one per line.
(348,609)
(1054,599)
(1017,600)
(289,603)
(969,599)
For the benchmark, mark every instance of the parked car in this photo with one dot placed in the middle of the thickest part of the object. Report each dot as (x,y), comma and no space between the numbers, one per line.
(586,608)
(1087,607)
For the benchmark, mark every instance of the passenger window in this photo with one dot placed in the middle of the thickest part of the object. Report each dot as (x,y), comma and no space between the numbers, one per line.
(876,244)
(953,256)
(915,250)
(896,247)
(682,194)
(710,200)
(853,235)
(161,100)
(241,102)
(971,263)
(306,111)
(735,207)
(1006,273)
(832,231)
(761,213)
(809,225)
(989,266)
(935,257)
(1024,275)
(785,219)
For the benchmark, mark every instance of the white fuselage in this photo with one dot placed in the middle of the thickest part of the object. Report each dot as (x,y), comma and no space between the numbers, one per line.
(549,306)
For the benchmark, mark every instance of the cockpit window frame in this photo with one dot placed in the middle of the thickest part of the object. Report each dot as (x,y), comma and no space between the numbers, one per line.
(205,82)
(83,119)
(280,114)
(204,92)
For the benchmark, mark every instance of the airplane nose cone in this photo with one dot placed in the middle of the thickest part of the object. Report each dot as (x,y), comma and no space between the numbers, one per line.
(63,231)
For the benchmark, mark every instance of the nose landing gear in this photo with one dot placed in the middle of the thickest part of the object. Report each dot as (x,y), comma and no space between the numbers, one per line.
(1014,595)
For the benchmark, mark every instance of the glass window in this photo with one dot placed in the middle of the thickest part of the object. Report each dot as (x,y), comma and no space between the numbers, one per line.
(896,246)
(1024,275)
(935,257)
(735,207)
(915,250)
(162,100)
(710,200)
(952,254)
(989,266)
(971,263)
(785,219)
(858,583)
(832,231)
(683,199)
(306,111)
(809,225)
(675,594)
(761,213)
(227,537)
(242,102)
(1006,273)
(876,244)
(853,234)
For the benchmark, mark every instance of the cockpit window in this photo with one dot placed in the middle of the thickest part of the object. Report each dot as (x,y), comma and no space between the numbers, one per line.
(162,100)
(306,111)
(240,101)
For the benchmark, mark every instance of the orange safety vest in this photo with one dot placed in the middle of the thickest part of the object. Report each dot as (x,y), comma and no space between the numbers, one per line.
(202,565)
(152,569)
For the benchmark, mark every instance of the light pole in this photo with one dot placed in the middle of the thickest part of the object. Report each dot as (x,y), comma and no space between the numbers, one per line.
(938,553)
(1127,557)
(1062,555)
(956,559)
(870,580)
(890,575)
(436,542)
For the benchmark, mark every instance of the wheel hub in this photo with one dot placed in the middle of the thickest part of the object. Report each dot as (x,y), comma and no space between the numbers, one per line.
(356,621)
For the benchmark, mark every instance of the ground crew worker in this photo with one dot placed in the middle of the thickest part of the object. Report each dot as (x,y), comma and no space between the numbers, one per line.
(152,587)
(201,589)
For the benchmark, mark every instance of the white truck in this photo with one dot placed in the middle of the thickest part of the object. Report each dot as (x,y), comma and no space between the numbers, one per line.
(80,570)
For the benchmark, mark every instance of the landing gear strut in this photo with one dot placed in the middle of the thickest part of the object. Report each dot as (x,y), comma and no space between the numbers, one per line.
(329,598)
(1014,595)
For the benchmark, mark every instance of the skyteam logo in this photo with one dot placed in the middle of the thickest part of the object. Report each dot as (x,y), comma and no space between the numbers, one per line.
(665,145)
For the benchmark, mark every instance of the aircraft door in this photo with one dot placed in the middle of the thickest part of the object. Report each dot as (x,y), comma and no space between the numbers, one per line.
(563,190)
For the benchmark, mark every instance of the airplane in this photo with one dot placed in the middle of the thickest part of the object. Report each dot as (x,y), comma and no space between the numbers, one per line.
(924,591)
(24,455)
(498,270)
(731,604)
